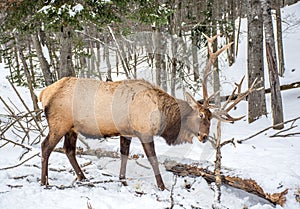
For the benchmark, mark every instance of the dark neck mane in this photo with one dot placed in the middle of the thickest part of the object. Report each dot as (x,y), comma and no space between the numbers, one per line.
(175,111)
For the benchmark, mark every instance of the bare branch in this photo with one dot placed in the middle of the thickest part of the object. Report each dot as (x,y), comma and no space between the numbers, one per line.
(231,141)
(16,143)
(26,107)
(246,139)
(21,163)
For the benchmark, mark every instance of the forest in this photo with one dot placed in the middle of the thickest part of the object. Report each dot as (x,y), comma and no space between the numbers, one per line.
(231,56)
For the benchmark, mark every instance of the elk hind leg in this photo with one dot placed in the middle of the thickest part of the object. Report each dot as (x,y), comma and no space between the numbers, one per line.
(70,150)
(48,145)
(124,147)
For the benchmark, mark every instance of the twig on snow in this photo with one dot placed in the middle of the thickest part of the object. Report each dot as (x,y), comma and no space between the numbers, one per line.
(172,192)
(144,166)
(231,141)
(288,121)
(16,143)
(21,163)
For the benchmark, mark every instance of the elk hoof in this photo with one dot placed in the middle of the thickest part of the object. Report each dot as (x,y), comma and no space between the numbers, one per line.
(161,187)
(44,182)
(123,181)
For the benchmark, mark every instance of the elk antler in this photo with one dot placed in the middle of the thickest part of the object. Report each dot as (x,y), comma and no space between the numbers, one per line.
(208,69)
(222,114)
(236,95)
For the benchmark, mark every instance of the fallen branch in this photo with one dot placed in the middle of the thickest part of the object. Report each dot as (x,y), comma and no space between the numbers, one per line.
(16,143)
(14,186)
(92,152)
(143,166)
(246,139)
(99,153)
(286,135)
(84,183)
(247,185)
(231,141)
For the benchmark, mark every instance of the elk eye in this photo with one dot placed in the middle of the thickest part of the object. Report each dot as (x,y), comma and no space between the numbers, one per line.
(201,115)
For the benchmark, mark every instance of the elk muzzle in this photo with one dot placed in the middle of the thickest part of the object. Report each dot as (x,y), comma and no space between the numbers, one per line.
(202,137)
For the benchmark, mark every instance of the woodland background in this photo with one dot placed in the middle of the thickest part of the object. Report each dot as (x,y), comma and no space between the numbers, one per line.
(43,41)
(160,41)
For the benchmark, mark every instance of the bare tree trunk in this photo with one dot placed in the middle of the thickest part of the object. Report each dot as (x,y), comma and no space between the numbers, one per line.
(231,31)
(158,57)
(54,59)
(43,62)
(83,66)
(281,67)
(66,65)
(216,72)
(239,10)
(173,76)
(276,101)
(28,76)
(163,66)
(195,59)
(256,99)
(98,60)
(173,19)
(194,37)
(124,57)
(107,60)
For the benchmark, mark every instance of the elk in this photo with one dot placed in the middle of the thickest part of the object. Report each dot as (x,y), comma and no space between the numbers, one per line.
(128,108)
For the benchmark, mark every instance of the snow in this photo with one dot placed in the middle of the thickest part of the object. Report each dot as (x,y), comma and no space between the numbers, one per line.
(272,162)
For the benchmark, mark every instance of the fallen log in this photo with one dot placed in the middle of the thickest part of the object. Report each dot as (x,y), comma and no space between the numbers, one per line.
(247,185)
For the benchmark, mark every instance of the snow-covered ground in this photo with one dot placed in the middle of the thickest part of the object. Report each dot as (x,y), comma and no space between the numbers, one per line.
(274,163)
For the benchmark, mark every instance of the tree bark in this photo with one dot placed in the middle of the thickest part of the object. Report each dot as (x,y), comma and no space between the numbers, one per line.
(276,101)
(256,99)
(66,68)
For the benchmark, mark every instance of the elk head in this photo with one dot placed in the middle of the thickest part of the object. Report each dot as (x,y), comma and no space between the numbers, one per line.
(200,120)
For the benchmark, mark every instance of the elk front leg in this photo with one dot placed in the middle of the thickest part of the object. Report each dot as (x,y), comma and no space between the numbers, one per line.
(70,150)
(148,145)
(125,146)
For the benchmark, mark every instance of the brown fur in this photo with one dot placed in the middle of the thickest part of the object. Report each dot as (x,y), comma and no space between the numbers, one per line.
(129,108)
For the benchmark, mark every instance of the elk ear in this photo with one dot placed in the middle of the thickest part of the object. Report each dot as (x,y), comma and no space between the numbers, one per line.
(191,101)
